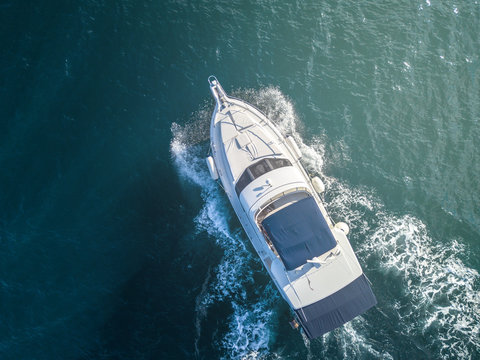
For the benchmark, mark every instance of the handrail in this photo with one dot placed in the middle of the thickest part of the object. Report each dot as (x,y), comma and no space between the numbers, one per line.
(217,91)
(278,196)
(213,81)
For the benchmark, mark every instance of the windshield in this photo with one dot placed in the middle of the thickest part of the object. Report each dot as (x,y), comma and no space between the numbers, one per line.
(258,169)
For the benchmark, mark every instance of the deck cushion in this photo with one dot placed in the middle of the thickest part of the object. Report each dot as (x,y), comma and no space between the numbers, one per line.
(337,309)
(299,232)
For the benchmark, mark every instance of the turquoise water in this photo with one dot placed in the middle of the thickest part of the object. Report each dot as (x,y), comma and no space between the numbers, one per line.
(115,243)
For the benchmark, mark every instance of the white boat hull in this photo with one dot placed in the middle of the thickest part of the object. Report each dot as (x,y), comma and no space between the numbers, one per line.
(264,180)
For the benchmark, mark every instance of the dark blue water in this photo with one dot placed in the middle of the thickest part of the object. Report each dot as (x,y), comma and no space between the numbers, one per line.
(115,243)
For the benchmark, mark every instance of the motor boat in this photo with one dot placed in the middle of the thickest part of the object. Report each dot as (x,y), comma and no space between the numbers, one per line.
(308,257)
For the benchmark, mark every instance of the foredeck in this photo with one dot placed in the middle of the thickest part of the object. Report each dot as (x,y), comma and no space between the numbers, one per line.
(245,137)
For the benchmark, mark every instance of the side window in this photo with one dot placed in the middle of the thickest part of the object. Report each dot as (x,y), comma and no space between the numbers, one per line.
(243,181)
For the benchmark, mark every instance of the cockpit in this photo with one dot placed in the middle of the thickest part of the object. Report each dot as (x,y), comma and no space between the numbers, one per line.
(295,229)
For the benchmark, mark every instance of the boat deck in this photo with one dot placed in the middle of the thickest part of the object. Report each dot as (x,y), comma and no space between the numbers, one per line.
(309,259)
(245,138)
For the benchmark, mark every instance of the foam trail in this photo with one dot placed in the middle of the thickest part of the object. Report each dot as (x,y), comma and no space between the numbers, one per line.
(442,292)
(351,342)
(355,345)
(444,289)
(248,333)
(441,295)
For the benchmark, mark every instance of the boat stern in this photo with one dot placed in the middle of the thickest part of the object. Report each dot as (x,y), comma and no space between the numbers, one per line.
(336,309)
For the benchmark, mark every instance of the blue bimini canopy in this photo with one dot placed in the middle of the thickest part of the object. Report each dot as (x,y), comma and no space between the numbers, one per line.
(299,232)
(337,309)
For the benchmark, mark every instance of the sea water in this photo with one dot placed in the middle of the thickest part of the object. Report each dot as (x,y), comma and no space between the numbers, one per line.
(116,244)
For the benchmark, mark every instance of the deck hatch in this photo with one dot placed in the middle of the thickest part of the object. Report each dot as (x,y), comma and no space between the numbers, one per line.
(242,140)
